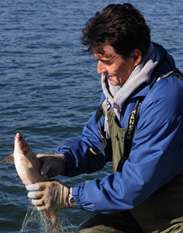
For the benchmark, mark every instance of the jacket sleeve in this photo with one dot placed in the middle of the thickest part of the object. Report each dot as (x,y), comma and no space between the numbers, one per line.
(155,158)
(79,158)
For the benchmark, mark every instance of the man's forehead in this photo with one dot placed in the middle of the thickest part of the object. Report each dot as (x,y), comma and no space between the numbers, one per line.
(107,51)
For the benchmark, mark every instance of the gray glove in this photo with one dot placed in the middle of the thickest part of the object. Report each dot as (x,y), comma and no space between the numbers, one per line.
(52,165)
(49,194)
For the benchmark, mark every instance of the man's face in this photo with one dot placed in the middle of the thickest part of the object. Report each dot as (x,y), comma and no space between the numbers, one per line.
(115,68)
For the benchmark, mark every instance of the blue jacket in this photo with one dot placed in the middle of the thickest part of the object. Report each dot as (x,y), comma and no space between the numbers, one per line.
(156,155)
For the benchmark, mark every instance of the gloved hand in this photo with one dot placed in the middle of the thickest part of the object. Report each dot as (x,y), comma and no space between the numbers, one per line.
(52,165)
(49,194)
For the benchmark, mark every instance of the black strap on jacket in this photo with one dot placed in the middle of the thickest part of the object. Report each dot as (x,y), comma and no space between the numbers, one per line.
(98,115)
(131,125)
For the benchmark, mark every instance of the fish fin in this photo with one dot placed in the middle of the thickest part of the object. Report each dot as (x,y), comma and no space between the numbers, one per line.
(9,159)
(26,162)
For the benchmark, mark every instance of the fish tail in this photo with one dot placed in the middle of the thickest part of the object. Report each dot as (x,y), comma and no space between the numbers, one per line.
(53,229)
(52,215)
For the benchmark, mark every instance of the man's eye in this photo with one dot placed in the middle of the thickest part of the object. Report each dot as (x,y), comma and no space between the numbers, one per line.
(107,62)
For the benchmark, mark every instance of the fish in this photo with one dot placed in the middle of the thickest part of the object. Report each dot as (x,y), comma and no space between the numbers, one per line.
(28,169)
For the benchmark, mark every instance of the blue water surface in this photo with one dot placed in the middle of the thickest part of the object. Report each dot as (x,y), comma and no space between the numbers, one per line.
(49,87)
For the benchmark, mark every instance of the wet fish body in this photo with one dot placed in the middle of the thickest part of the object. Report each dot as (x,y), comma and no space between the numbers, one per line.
(28,168)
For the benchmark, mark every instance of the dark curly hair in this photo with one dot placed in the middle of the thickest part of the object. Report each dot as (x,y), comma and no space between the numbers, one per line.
(120,25)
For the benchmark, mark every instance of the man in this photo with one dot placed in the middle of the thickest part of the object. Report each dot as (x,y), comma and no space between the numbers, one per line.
(139,126)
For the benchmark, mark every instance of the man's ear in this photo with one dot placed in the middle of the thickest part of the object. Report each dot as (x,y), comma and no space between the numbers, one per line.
(137,55)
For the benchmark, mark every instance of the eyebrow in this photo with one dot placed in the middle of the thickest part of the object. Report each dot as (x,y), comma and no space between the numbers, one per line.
(108,59)
(103,60)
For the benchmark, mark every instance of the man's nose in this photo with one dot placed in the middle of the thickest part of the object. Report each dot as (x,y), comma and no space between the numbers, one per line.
(101,68)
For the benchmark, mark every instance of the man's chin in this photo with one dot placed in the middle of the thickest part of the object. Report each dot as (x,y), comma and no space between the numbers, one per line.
(113,83)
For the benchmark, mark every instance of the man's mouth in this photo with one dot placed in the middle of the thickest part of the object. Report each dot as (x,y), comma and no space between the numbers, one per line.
(108,76)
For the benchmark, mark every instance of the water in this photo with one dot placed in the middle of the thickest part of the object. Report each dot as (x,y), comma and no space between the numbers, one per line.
(49,87)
